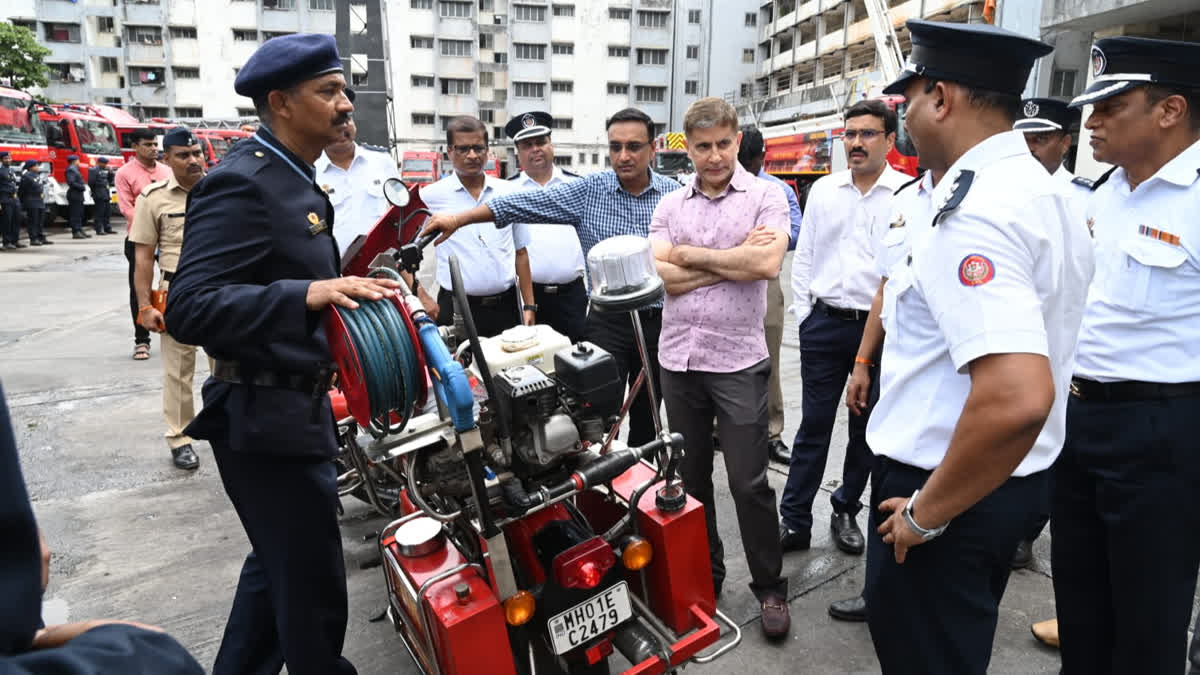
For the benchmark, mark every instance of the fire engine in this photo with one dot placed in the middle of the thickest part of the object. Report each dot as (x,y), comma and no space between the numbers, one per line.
(670,155)
(419,167)
(22,133)
(73,130)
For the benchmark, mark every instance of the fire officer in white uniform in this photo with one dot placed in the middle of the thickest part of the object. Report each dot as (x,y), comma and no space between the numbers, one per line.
(554,255)
(1126,498)
(981,321)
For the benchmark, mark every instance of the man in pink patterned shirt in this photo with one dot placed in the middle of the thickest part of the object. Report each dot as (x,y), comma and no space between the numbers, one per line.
(130,180)
(716,242)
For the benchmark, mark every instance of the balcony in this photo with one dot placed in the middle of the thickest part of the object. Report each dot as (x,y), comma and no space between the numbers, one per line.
(454,105)
(181,13)
(51,11)
(67,91)
(280,20)
(146,54)
(139,12)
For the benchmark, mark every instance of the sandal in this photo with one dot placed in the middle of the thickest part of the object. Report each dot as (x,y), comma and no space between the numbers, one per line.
(141,352)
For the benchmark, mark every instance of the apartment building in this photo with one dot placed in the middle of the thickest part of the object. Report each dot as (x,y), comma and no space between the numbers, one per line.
(579,60)
(159,58)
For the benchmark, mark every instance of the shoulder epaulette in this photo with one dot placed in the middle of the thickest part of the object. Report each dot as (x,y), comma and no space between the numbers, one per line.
(515,176)
(959,188)
(372,148)
(1084,182)
(915,180)
(572,174)
(152,187)
(1103,179)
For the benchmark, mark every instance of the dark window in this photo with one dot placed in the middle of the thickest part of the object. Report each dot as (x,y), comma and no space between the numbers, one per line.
(564,10)
(618,88)
(619,13)
(183,32)
(523,51)
(563,123)
(358,79)
(564,86)
(104,24)
(422,119)
(751,19)
(652,57)
(454,9)
(563,47)
(529,89)
(653,19)
(452,87)
(421,42)
(62,32)
(189,111)
(148,76)
(618,51)
(693,16)
(532,13)
(562,160)
(487,41)
(245,35)
(487,79)
(183,73)
(693,51)
(421,4)
(109,64)
(422,81)
(650,94)
(691,87)
(456,47)
(66,72)
(322,5)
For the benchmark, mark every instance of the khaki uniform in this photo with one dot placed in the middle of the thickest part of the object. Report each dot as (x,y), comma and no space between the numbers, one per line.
(158,221)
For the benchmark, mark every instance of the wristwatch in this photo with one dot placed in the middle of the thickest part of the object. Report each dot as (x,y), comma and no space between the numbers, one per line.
(531,308)
(923,533)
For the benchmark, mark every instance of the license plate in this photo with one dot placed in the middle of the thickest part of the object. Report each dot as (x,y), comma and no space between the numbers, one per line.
(588,619)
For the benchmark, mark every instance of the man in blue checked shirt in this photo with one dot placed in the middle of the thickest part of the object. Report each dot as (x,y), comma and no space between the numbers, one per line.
(602,205)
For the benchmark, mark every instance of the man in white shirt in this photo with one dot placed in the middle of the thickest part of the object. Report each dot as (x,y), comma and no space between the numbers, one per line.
(1047,124)
(552,252)
(981,319)
(834,279)
(486,254)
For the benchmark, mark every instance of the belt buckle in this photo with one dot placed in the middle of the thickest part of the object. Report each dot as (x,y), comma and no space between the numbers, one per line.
(1075,390)
(552,289)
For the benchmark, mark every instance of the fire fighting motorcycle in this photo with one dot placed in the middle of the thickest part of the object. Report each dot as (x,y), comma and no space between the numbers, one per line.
(525,537)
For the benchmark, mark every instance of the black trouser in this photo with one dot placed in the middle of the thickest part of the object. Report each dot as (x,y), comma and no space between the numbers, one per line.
(563,307)
(100,213)
(9,222)
(937,612)
(75,212)
(493,314)
(33,222)
(613,332)
(828,345)
(141,336)
(290,604)
(739,402)
(1124,550)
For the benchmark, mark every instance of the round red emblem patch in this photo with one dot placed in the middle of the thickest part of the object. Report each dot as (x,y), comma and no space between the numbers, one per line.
(976,270)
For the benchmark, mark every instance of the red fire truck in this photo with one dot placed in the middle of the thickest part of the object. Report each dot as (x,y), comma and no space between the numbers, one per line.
(22,133)
(217,142)
(73,131)
(420,167)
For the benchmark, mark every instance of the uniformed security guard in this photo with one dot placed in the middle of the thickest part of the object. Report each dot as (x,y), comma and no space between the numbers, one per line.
(75,188)
(1126,504)
(32,201)
(259,266)
(981,321)
(99,180)
(1048,125)
(551,252)
(10,219)
(158,226)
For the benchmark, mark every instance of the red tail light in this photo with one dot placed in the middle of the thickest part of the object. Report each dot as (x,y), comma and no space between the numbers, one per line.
(584,565)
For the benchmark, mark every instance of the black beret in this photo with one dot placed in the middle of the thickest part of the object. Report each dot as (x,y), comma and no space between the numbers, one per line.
(72,158)
(1046,114)
(1122,63)
(102,160)
(30,163)
(178,136)
(287,60)
(978,55)
(3,154)
(529,125)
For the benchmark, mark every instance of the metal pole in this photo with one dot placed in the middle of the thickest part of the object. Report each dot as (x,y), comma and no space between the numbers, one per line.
(640,337)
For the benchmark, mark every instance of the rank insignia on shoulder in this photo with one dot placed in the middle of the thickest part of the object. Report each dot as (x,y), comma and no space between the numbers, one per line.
(958,192)
(899,222)
(317,225)
(976,270)
(1085,182)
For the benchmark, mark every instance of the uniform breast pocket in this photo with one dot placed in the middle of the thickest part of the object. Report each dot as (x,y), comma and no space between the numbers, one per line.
(1143,273)
(894,291)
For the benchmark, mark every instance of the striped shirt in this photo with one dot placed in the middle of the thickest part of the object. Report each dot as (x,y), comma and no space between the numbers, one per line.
(597,205)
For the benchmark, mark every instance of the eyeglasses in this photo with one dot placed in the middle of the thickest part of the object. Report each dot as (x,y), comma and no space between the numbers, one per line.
(468,149)
(630,147)
(865,134)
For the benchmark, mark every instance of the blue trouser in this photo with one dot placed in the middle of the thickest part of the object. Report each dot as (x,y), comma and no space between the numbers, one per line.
(828,346)
(1124,551)
(290,604)
(9,220)
(33,222)
(75,212)
(100,213)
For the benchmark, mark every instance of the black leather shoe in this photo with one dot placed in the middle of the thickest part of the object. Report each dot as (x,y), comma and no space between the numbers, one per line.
(776,619)
(780,452)
(791,540)
(850,609)
(79,235)
(45,241)
(1023,557)
(20,245)
(185,458)
(846,534)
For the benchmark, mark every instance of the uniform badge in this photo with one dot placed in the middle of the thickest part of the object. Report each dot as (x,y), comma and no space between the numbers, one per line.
(976,270)
(317,226)
(259,153)
(899,222)
(1099,61)
(1091,223)
(1031,109)
(326,189)
(527,121)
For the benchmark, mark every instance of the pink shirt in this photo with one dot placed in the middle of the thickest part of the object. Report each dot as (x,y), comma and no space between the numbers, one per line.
(131,180)
(717,328)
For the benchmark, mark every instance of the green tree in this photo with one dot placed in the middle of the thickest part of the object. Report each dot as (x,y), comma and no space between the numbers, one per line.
(22,59)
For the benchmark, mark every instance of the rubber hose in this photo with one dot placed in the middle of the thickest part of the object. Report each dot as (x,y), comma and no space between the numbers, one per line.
(389,361)
(485,374)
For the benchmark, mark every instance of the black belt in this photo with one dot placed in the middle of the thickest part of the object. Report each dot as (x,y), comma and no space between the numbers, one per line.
(1130,390)
(487,300)
(168,276)
(308,383)
(840,313)
(555,289)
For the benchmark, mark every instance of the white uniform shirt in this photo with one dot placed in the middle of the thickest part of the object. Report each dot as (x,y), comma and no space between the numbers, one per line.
(1143,311)
(356,193)
(834,258)
(996,275)
(1076,190)
(555,256)
(911,216)
(485,252)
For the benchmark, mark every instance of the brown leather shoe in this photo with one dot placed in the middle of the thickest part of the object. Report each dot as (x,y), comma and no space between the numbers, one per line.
(776,619)
(1046,632)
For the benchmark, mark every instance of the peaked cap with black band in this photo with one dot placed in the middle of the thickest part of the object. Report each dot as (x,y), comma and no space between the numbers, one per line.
(529,125)
(978,55)
(286,61)
(1122,63)
(1046,114)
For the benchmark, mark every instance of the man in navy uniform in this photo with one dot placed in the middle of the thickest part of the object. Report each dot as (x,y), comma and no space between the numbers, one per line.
(259,266)
(30,193)
(1125,506)
(99,179)
(10,222)
(552,252)
(981,320)
(75,188)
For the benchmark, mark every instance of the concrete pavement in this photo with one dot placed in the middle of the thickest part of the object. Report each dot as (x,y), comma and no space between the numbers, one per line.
(135,538)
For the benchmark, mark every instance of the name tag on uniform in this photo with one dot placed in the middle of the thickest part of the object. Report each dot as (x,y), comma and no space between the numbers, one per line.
(176,215)
(1165,237)
(317,225)
(899,223)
